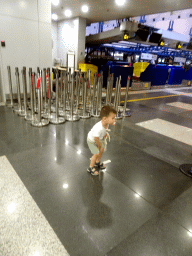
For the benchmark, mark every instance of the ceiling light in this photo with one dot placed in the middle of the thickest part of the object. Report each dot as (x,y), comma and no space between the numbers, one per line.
(68,13)
(85,8)
(54,17)
(120,2)
(55,2)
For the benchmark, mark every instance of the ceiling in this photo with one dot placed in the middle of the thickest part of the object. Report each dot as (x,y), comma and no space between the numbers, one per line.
(104,10)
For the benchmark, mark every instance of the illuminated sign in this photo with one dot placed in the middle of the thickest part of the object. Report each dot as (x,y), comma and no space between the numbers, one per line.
(126,36)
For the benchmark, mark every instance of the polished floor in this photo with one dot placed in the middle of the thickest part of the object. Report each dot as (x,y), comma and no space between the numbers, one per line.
(140,206)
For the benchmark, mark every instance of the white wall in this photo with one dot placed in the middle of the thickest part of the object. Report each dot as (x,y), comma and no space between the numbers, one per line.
(25,26)
(54,40)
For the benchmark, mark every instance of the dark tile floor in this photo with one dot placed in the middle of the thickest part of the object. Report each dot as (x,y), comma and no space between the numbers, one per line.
(141,205)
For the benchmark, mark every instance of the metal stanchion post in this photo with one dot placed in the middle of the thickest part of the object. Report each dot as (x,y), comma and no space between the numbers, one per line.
(111,87)
(10,88)
(44,88)
(49,91)
(89,89)
(78,84)
(62,111)
(108,90)
(71,116)
(85,113)
(55,119)
(101,88)
(125,110)
(41,94)
(119,115)
(24,89)
(96,110)
(19,110)
(93,96)
(39,122)
(116,93)
(31,114)
(34,82)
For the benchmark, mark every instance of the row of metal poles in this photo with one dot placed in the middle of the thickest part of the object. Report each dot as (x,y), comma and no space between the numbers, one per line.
(75,97)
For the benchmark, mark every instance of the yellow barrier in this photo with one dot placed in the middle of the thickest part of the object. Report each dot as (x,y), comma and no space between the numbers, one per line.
(139,67)
(84,68)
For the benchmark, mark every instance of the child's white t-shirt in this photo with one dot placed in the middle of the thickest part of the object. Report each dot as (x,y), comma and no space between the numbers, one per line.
(97,131)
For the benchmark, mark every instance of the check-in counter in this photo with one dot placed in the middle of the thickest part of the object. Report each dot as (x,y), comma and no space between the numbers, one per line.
(188,74)
(176,75)
(156,74)
(122,69)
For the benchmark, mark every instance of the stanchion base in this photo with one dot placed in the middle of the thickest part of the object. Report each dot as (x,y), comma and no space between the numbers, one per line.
(63,113)
(186,169)
(55,120)
(9,105)
(94,115)
(45,115)
(21,113)
(40,124)
(53,109)
(75,117)
(17,109)
(127,114)
(29,117)
(85,115)
(119,116)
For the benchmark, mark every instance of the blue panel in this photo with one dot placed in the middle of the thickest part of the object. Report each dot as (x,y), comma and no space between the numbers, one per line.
(117,68)
(176,75)
(156,74)
(188,74)
(122,71)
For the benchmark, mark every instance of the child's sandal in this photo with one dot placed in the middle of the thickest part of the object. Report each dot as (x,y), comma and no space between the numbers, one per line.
(93,171)
(100,165)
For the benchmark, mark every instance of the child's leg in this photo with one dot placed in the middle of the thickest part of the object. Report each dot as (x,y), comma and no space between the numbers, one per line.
(98,156)
(93,160)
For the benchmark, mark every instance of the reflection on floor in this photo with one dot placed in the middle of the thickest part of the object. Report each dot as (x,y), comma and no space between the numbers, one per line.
(141,205)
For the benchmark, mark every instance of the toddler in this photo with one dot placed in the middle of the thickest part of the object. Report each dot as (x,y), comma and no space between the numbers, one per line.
(96,138)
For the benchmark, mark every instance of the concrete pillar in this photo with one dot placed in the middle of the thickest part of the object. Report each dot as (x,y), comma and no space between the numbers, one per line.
(71,37)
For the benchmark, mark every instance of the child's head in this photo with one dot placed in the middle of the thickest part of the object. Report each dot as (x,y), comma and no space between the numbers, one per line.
(108,114)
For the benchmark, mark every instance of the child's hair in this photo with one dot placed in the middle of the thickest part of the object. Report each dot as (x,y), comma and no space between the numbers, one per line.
(106,110)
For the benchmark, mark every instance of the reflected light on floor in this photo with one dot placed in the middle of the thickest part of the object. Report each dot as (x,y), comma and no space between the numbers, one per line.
(79,152)
(11,207)
(36,254)
(66,142)
(189,233)
(65,185)
(137,195)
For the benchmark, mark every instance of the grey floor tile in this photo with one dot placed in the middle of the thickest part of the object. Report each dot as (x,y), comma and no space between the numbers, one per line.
(181,208)
(160,236)
(93,214)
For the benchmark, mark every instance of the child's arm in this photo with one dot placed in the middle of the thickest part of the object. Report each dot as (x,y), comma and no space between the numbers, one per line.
(98,143)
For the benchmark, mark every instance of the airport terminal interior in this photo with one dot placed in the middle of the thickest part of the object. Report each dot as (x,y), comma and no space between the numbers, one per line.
(141,203)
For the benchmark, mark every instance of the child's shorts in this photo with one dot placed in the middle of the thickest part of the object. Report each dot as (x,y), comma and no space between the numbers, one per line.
(94,148)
